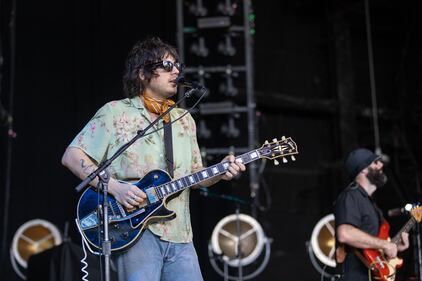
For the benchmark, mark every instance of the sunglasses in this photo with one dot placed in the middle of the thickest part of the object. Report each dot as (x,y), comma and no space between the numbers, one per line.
(167,65)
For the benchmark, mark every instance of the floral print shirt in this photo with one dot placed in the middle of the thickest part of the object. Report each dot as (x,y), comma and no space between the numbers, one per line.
(116,123)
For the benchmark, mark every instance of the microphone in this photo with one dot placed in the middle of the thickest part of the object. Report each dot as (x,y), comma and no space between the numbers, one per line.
(189,84)
(398,211)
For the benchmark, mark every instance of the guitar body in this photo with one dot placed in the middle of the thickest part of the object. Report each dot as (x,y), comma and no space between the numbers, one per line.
(125,228)
(382,269)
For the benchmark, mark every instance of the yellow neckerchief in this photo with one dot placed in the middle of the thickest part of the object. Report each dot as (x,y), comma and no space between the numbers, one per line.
(158,106)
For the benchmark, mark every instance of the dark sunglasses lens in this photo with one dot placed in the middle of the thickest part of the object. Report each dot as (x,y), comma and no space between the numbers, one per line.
(179,66)
(167,65)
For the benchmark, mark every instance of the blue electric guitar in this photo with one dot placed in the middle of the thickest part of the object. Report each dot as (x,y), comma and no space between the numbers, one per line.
(126,227)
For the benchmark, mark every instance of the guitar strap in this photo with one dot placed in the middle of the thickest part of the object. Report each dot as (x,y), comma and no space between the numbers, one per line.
(168,146)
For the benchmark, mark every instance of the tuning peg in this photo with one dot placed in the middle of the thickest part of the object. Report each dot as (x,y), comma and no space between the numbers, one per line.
(276,162)
(266,142)
(274,140)
(284,160)
(283,138)
(293,158)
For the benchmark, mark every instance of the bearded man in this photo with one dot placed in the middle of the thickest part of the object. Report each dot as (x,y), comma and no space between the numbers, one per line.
(357,217)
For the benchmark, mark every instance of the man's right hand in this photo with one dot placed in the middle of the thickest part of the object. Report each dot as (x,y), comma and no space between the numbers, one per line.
(81,165)
(126,194)
(390,250)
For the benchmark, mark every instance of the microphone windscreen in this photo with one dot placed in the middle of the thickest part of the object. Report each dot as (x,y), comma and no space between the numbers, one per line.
(180,80)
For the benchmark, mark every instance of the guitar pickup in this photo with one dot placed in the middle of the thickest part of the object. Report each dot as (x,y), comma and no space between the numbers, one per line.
(151,195)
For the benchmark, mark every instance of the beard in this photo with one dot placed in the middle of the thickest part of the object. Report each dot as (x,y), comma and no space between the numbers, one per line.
(376,177)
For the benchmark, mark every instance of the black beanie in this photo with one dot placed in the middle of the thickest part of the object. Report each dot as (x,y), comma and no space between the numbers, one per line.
(359,159)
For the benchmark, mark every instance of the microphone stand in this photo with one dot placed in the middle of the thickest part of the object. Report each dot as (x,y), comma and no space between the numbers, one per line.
(104,179)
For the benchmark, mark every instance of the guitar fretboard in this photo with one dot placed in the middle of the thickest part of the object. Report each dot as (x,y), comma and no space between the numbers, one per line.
(175,186)
(406,228)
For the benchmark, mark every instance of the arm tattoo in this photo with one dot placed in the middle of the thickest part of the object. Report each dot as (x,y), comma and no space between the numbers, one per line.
(86,169)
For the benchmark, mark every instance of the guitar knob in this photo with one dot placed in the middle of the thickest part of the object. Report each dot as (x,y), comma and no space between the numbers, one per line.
(125,235)
(276,162)
(116,226)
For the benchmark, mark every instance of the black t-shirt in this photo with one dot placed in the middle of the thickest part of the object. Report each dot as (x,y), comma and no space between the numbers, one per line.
(355,207)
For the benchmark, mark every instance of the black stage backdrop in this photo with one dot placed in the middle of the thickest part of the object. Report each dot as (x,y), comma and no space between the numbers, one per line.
(70,57)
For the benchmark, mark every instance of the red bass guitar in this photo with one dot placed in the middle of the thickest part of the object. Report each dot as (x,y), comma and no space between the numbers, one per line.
(382,268)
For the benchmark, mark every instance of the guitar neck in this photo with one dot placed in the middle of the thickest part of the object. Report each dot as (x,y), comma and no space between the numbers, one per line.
(185,182)
(406,228)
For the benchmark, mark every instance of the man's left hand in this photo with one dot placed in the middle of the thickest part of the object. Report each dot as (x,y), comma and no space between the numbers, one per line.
(234,169)
(404,244)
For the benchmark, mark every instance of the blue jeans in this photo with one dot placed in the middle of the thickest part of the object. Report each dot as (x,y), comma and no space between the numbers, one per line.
(152,259)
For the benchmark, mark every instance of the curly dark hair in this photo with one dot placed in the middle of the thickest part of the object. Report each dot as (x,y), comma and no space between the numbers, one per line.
(144,52)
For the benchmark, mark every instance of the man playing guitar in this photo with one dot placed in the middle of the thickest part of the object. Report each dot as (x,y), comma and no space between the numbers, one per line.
(357,217)
(165,251)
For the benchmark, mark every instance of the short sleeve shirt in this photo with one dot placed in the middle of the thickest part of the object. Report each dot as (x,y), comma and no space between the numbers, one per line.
(355,207)
(115,124)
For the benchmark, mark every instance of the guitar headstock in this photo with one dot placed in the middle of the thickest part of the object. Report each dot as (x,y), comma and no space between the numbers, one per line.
(416,213)
(284,148)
